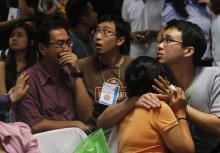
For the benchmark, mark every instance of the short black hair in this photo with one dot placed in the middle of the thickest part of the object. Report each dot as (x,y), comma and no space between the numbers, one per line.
(122,29)
(192,35)
(47,25)
(140,74)
(75,9)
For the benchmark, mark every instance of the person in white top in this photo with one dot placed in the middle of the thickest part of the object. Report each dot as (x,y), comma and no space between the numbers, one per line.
(144,18)
(215,32)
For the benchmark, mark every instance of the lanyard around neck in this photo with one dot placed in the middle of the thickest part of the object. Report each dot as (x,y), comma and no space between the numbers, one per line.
(119,70)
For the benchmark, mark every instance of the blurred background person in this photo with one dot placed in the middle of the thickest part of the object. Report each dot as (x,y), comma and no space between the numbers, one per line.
(82,19)
(144,17)
(13,12)
(21,55)
(215,31)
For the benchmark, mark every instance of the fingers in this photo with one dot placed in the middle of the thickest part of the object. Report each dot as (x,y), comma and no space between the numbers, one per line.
(26,88)
(87,129)
(164,81)
(11,90)
(143,105)
(21,81)
(67,58)
(22,76)
(20,88)
(148,101)
(158,90)
(161,97)
(179,93)
(162,86)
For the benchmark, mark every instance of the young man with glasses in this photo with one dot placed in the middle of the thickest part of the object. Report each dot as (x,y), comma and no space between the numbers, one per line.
(106,69)
(201,84)
(180,50)
(57,98)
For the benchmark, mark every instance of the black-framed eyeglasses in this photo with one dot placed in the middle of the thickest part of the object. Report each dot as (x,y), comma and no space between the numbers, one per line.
(103,32)
(61,43)
(167,41)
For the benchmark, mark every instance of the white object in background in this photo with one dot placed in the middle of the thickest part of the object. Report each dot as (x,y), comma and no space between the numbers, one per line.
(172,87)
(13,13)
(109,94)
(60,141)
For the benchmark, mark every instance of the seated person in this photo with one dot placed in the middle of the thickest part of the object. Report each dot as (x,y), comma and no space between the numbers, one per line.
(109,64)
(159,130)
(16,59)
(57,98)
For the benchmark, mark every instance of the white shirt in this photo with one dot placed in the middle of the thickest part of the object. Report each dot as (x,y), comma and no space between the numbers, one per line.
(143,16)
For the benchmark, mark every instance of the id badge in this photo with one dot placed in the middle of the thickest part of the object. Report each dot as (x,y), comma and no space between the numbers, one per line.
(109,94)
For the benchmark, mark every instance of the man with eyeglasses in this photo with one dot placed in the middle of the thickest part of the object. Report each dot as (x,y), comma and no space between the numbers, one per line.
(57,97)
(103,73)
(180,49)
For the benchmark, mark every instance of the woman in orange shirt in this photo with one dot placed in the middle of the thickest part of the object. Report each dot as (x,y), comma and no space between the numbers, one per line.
(156,130)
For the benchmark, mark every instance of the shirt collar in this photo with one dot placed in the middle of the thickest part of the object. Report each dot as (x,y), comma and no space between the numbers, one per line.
(44,77)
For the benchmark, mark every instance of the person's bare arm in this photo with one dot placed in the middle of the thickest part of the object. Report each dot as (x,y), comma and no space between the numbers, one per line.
(115,113)
(84,107)
(185,144)
(25,10)
(6,25)
(178,138)
(3,89)
(46,125)
(207,122)
(54,8)
(83,101)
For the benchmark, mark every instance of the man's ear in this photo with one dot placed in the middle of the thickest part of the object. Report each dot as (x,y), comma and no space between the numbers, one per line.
(189,51)
(41,48)
(120,41)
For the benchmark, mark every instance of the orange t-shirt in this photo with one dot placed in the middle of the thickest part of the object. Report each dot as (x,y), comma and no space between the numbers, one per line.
(140,131)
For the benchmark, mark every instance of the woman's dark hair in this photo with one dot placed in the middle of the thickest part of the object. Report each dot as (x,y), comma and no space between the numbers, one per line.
(140,74)
(31,57)
(179,7)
